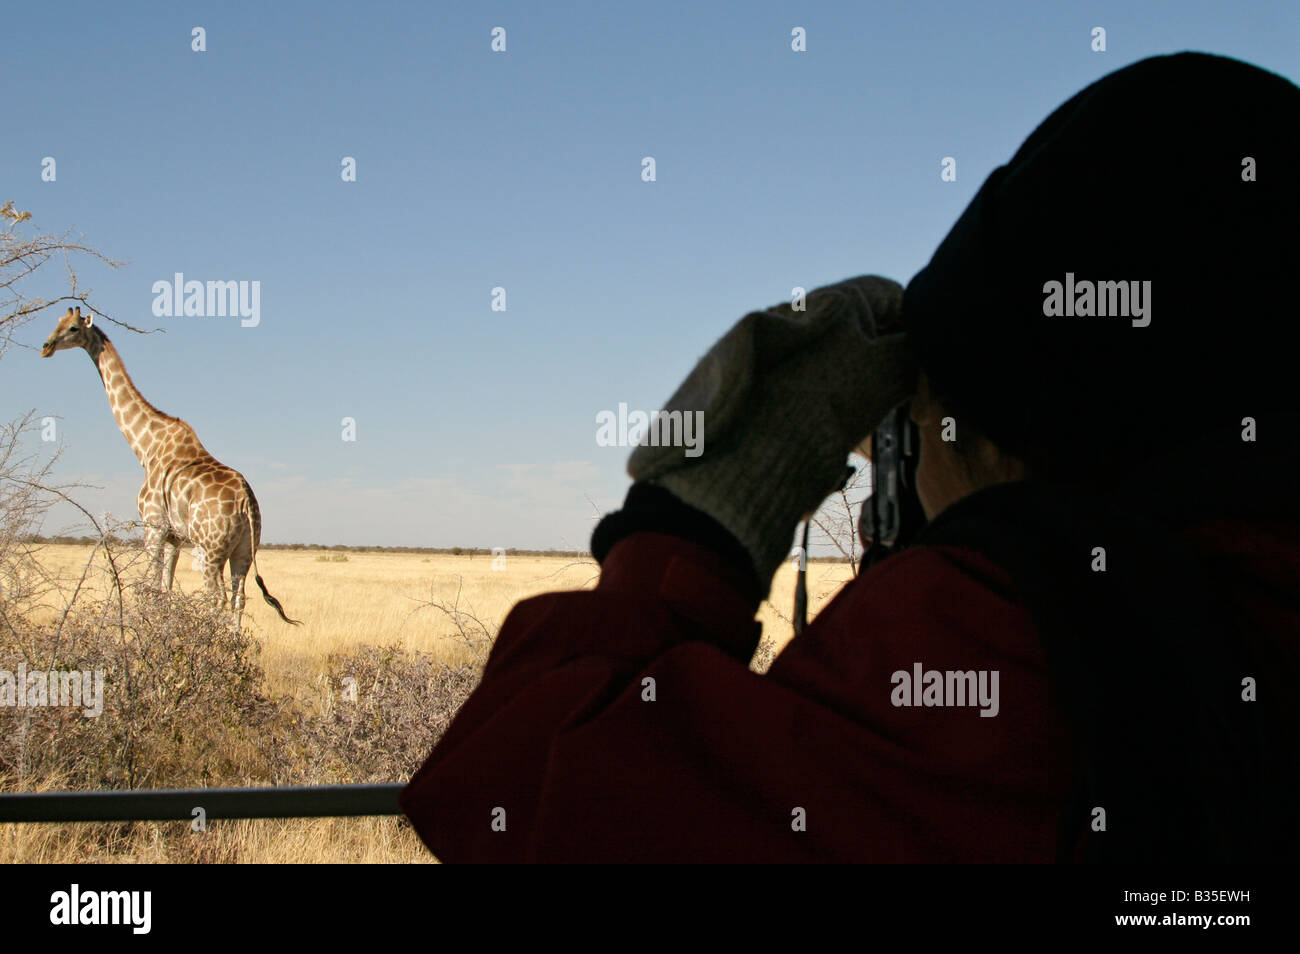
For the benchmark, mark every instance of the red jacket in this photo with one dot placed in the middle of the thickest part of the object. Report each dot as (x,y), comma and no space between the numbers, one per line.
(716,768)
(562,736)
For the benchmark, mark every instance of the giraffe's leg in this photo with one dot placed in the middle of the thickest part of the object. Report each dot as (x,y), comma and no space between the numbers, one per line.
(212,580)
(171,551)
(237,598)
(153,548)
(240,562)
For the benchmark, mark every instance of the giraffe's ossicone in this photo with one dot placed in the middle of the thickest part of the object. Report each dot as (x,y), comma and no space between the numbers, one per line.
(188,497)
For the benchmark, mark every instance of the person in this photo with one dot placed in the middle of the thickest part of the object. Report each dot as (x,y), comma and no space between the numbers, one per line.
(1090,652)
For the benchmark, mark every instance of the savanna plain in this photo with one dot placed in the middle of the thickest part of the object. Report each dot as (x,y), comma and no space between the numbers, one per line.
(391,644)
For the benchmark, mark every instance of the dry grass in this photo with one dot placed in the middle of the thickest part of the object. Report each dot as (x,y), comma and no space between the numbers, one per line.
(269,841)
(374,615)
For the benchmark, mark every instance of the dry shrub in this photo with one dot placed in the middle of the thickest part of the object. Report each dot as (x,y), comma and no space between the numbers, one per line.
(182,699)
(184,705)
(385,709)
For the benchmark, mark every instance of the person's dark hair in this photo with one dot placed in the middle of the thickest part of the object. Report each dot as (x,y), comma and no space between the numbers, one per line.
(1176,171)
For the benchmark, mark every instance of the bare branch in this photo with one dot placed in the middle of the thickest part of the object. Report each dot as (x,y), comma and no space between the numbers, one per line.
(22,255)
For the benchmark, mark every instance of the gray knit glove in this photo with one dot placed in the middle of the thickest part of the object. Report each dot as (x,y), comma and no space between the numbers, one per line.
(785,396)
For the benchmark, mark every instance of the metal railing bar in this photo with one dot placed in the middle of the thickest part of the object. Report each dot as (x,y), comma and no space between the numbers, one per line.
(306,801)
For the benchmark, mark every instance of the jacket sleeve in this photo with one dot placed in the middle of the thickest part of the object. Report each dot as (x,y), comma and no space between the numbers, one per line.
(623,724)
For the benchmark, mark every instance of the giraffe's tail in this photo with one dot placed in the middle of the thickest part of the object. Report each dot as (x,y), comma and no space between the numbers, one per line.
(252,542)
(266,595)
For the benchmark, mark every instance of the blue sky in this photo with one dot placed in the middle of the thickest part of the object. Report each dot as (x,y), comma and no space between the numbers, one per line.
(478,169)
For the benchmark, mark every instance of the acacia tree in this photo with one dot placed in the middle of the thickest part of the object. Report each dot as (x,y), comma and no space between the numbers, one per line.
(26,490)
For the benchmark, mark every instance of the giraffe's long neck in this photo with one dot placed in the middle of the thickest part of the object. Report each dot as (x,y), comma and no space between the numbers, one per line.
(140,422)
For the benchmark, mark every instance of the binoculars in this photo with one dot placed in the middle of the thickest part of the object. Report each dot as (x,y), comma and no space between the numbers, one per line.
(892,516)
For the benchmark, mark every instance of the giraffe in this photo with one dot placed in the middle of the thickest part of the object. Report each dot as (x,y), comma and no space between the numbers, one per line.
(188,496)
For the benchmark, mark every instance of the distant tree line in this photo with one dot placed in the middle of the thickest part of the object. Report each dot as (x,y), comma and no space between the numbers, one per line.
(452,551)
(446,551)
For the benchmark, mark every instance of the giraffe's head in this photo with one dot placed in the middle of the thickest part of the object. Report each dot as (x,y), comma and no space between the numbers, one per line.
(73,331)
